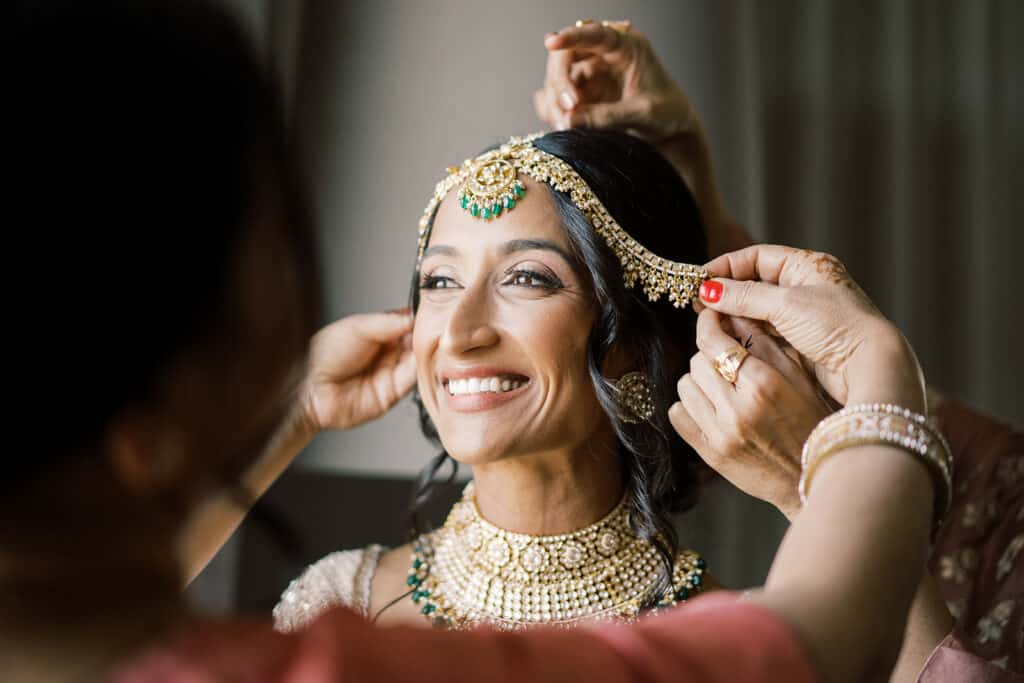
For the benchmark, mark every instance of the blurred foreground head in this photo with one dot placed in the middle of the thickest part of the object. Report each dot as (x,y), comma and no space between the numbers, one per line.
(159,271)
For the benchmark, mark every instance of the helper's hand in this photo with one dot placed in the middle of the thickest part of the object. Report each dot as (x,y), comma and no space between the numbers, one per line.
(359,367)
(607,75)
(751,432)
(811,301)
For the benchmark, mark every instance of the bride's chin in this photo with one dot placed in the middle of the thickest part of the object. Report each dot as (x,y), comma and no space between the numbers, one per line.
(474,454)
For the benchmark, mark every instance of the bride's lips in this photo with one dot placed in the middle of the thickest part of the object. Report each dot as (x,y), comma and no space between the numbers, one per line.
(482,388)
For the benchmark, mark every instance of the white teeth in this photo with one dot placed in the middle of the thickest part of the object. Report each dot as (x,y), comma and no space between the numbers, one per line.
(478,385)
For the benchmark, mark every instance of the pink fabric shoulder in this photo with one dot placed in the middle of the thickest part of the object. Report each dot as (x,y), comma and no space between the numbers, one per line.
(714,638)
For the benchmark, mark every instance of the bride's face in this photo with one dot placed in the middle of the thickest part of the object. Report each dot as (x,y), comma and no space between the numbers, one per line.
(501,333)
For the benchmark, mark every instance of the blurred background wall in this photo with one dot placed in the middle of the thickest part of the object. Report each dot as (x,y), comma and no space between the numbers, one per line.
(886,132)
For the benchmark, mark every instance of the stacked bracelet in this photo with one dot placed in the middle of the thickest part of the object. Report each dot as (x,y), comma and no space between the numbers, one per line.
(882,424)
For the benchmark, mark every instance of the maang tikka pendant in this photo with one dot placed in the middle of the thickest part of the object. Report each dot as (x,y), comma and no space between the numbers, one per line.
(491,188)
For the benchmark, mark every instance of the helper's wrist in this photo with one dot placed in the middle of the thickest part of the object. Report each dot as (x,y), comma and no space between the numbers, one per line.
(885,370)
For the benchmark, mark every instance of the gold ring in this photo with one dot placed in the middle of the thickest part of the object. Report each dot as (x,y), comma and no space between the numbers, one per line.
(580,23)
(728,363)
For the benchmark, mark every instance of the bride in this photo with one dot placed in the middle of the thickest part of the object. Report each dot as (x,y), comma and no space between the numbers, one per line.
(549,334)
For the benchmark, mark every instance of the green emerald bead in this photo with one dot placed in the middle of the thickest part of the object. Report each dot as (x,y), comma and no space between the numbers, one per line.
(695,579)
(682,594)
(701,564)
(475,209)
(413,580)
(496,209)
(510,203)
(417,563)
(519,190)
(464,201)
(416,596)
(428,609)
(485,213)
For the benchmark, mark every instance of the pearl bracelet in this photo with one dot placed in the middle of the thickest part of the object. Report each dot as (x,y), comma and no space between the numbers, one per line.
(881,424)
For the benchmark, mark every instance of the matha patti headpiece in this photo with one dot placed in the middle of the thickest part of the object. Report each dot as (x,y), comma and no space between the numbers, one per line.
(489,186)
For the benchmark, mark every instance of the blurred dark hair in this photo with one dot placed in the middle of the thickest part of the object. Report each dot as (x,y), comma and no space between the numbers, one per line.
(645,194)
(140,138)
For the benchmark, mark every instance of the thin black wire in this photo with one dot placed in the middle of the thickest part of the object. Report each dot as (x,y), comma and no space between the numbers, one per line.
(391,604)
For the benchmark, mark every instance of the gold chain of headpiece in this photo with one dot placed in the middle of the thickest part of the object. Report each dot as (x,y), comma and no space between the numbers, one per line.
(483,177)
(470,572)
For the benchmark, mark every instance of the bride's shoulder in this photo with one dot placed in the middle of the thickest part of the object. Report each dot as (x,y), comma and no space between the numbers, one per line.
(340,579)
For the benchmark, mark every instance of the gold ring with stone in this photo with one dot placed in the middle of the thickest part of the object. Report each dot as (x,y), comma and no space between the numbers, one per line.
(580,23)
(728,363)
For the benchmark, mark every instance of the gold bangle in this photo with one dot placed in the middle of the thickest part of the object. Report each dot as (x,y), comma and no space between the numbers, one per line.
(882,424)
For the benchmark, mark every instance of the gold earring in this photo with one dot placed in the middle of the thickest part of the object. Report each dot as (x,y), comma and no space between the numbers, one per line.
(636,397)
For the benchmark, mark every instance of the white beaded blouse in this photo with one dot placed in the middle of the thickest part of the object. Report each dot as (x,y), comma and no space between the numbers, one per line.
(339,579)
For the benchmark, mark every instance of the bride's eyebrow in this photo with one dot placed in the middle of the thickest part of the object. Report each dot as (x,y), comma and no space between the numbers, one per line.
(440,250)
(513,246)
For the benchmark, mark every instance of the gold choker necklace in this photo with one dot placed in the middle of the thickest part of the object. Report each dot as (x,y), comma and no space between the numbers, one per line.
(470,573)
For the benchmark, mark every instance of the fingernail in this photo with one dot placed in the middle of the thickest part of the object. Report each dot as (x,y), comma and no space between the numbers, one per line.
(567,99)
(711,291)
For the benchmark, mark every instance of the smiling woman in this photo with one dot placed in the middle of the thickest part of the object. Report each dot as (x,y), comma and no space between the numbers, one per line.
(542,367)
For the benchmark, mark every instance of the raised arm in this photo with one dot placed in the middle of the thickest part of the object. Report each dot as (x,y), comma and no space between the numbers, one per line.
(359,367)
(607,75)
(810,301)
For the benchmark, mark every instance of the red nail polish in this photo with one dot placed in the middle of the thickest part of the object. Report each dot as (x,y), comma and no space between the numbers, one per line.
(711,291)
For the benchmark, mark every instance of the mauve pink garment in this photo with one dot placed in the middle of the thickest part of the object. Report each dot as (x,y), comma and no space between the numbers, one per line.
(977,557)
(713,638)
(951,663)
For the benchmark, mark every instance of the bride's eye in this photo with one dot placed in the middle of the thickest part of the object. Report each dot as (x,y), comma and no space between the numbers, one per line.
(437,282)
(522,277)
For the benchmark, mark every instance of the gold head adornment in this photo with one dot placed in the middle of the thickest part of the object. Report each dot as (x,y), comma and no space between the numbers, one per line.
(489,186)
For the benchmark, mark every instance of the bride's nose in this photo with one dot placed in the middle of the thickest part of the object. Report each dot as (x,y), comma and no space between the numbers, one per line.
(469,325)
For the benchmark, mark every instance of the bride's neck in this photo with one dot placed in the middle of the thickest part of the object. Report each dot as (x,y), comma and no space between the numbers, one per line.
(549,493)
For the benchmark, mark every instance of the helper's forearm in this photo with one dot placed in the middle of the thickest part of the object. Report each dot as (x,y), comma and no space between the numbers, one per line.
(847,570)
(213,525)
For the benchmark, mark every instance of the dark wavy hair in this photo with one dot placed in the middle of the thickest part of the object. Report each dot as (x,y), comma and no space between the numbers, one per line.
(647,197)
